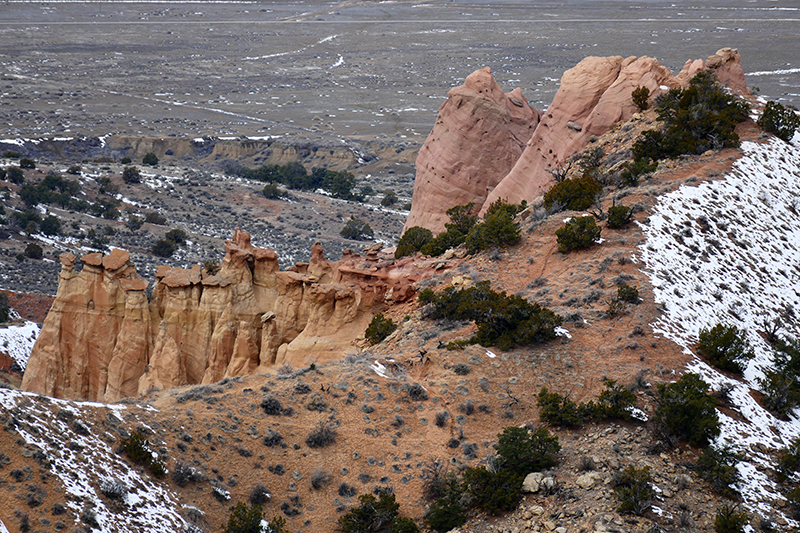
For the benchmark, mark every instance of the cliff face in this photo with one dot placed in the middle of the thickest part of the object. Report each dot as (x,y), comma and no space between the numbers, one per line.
(478,136)
(104,339)
(593,95)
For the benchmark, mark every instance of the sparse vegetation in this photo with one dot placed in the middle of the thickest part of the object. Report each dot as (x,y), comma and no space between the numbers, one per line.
(619,216)
(244,519)
(717,466)
(614,402)
(131,175)
(150,159)
(639,96)
(504,321)
(527,451)
(379,328)
(573,194)
(730,520)
(780,120)
(700,117)
(412,241)
(376,515)
(137,448)
(686,411)
(357,230)
(497,229)
(324,434)
(725,347)
(634,490)
(578,233)
(781,382)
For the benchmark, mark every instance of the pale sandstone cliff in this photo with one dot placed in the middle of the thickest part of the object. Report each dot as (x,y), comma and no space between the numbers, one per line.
(105,340)
(593,95)
(478,136)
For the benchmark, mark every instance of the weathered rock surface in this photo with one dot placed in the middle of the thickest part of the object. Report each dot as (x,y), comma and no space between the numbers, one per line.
(104,339)
(478,136)
(594,95)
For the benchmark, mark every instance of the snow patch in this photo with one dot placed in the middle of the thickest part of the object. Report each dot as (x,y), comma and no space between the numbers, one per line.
(18,340)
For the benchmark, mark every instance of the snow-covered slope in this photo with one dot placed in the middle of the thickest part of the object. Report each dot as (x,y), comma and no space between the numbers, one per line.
(728,251)
(18,340)
(90,462)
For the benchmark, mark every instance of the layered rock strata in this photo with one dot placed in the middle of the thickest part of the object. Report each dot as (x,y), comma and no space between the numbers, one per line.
(104,339)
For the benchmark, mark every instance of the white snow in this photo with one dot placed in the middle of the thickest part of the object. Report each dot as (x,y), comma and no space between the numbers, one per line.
(491,354)
(728,251)
(151,508)
(18,340)
(3,528)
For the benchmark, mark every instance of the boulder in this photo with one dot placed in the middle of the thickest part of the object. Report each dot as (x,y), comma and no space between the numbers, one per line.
(532,482)
(589,480)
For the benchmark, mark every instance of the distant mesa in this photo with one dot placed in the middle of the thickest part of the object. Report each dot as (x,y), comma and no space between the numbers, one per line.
(487,145)
(104,339)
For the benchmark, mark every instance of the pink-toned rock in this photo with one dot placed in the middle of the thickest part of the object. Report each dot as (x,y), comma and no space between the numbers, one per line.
(116,259)
(479,134)
(593,96)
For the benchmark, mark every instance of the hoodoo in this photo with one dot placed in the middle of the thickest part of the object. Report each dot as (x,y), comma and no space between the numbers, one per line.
(105,340)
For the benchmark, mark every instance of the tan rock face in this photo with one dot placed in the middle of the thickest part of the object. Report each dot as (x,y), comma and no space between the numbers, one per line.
(593,95)
(103,340)
(479,135)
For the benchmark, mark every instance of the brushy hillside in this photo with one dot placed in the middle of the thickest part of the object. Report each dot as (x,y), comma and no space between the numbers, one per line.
(712,240)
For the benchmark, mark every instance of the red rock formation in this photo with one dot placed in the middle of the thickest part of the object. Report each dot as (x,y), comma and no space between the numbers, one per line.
(104,340)
(479,135)
(593,95)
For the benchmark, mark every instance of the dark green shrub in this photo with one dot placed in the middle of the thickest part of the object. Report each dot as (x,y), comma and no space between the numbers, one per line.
(729,520)
(357,230)
(793,501)
(527,451)
(10,154)
(718,467)
(15,175)
(632,172)
(686,411)
(462,369)
(26,162)
(781,382)
(725,347)
(412,241)
(271,191)
(574,194)
(137,448)
(639,96)
(126,161)
(700,117)
(176,236)
(131,175)
(497,229)
(50,226)
(163,248)
(462,218)
(74,170)
(445,513)
(618,216)
(389,199)
(379,329)
(787,463)
(615,401)
(33,251)
(151,217)
(150,159)
(443,242)
(626,293)
(494,492)
(780,120)
(5,315)
(244,519)
(579,232)
(376,515)
(135,222)
(634,490)
(558,410)
(504,321)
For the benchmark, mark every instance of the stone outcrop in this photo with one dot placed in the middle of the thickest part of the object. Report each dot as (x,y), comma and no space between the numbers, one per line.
(104,339)
(478,136)
(594,95)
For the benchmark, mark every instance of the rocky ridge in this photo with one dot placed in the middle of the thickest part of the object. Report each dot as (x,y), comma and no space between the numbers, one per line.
(594,95)
(104,339)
